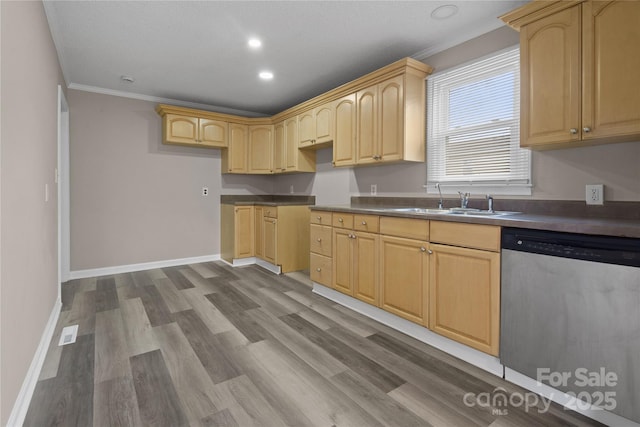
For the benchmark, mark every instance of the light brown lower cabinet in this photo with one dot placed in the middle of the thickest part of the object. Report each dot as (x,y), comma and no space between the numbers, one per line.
(441,275)
(465,296)
(237,232)
(355,259)
(270,239)
(320,269)
(404,278)
(276,234)
(258,215)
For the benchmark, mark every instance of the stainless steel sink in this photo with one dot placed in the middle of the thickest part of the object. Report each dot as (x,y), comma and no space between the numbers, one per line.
(421,210)
(487,213)
(452,211)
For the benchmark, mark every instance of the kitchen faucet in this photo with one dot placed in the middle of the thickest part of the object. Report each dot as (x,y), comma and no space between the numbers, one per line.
(464,199)
(490,203)
(440,204)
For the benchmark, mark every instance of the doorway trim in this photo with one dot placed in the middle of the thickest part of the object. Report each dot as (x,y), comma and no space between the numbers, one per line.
(62,178)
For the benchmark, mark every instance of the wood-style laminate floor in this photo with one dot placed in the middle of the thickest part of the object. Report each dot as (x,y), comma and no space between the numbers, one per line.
(211,345)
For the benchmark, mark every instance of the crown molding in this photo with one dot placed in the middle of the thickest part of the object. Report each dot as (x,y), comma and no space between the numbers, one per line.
(161,100)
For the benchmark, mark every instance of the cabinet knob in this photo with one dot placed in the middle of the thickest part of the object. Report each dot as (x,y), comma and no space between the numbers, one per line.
(318,269)
(340,220)
(319,239)
(353,236)
(364,222)
(573,131)
(429,251)
(423,249)
(586,129)
(319,218)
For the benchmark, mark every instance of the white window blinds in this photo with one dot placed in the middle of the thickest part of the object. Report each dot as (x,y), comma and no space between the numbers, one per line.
(473,132)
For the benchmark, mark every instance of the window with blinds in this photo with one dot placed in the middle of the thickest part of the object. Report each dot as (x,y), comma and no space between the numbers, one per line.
(473,133)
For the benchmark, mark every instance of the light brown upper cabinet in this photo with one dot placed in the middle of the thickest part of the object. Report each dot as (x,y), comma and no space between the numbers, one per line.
(235,158)
(194,131)
(279,153)
(260,152)
(344,146)
(579,64)
(317,127)
(288,157)
(390,125)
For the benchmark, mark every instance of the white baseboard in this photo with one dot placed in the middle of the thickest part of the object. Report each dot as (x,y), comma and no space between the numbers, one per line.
(275,269)
(482,360)
(569,402)
(105,271)
(21,405)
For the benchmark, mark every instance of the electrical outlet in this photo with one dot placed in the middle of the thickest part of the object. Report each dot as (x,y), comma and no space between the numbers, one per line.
(594,194)
(374,189)
(205,191)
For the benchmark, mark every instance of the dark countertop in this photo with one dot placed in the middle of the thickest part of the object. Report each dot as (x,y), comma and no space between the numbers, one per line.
(266,200)
(597,226)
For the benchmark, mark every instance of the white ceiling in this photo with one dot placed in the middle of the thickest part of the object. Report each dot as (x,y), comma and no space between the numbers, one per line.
(197,51)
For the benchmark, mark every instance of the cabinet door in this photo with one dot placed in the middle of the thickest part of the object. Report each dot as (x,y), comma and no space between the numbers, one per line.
(611,59)
(236,161)
(344,145)
(307,131)
(404,275)
(270,235)
(258,231)
(213,133)
(324,123)
(260,149)
(551,80)
(291,138)
(366,134)
(342,261)
(243,232)
(320,269)
(465,296)
(181,129)
(279,148)
(365,272)
(391,119)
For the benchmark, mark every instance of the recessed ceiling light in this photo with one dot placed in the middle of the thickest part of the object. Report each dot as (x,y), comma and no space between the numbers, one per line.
(127,79)
(254,43)
(444,12)
(266,75)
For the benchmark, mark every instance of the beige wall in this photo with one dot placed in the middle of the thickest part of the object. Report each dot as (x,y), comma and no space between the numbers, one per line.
(28,244)
(557,175)
(135,200)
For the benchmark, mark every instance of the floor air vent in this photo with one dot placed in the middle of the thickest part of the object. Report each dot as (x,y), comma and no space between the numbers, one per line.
(69,335)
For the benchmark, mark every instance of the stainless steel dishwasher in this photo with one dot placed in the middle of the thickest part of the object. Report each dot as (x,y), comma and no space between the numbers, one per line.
(570,314)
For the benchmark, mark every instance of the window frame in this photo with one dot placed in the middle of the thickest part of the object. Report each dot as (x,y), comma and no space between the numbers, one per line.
(521,186)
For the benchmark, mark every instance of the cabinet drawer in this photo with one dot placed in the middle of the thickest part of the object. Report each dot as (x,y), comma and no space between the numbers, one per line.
(271,212)
(478,236)
(320,217)
(405,227)
(370,223)
(342,220)
(320,269)
(320,242)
